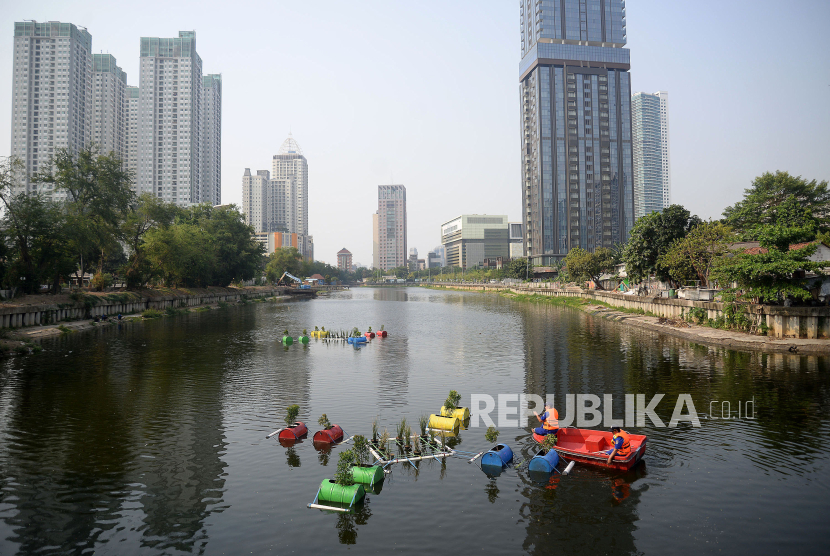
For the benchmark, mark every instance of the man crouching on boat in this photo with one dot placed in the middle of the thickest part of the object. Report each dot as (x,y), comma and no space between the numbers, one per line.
(549,420)
(622,444)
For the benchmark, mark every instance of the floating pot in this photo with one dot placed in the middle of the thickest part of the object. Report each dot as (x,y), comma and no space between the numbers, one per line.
(358,340)
(303,339)
(330,436)
(545,461)
(332,492)
(287,340)
(294,432)
(369,335)
(382,334)
(367,474)
(498,456)
(449,424)
(462,413)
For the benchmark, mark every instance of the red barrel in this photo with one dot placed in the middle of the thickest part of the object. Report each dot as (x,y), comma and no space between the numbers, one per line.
(382,333)
(293,432)
(332,435)
(369,335)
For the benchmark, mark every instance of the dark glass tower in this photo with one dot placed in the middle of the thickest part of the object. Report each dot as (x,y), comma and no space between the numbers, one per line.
(576,127)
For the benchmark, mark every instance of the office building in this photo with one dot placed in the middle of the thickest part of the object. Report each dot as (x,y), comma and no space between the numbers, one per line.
(516,239)
(272,241)
(576,154)
(211,174)
(52,96)
(471,238)
(131,154)
(375,242)
(170,119)
(344,260)
(390,227)
(652,165)
(291,166)
(263,201)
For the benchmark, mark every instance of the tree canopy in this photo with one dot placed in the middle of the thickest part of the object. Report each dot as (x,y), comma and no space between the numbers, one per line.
(692,256)
(651,237)
(583,265)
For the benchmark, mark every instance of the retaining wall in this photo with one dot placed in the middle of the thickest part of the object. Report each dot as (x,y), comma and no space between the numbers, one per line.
(783,322)
(15,316)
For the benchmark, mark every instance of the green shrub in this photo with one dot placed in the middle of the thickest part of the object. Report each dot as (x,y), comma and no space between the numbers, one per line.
(291,414)
(65,329)
(492,435)
(343,476)
(151,314)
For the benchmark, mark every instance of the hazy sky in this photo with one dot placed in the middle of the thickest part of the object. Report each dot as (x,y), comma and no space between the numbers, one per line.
(426,94)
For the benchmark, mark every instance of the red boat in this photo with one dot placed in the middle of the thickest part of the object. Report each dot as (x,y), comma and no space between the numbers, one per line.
(589,447)
(329,436)
(293,432)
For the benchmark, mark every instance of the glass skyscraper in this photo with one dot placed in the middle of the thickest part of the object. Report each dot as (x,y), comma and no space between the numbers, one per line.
(652,164)
(576,126)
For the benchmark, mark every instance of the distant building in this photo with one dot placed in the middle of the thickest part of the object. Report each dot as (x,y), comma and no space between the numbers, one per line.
(435,258)
(412,262)
(471,238)
(263,201)
(131,154)
(344,260)
(516,239)
(291,165)
(277,240)
(650,140)
(390,227)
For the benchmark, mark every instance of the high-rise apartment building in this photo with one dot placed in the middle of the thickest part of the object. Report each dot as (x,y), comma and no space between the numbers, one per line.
(131,154)
(263,201)
(652,165)
(52,96)
(109,86)
(170,119)
(390,227)
(577,186)
(211,174)
(290,165)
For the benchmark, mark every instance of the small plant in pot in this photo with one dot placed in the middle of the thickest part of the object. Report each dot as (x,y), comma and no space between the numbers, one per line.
(423,422)
(291,414)
(492,435)
(408,438)
(416,446)
(361,450)
(343,475)
(401,431)
(383,443)
(549,442)
(375,432)
(324,422)
(356,333)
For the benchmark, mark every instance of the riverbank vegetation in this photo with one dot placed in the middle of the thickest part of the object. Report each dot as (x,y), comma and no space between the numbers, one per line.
(85,218)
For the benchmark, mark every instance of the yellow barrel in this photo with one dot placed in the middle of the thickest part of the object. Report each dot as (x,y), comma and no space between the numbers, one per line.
(319,334)
(460,413)
(449,424)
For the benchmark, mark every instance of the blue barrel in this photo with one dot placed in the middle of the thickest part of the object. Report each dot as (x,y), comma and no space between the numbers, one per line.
(360,340)
(498,456)
(544,461)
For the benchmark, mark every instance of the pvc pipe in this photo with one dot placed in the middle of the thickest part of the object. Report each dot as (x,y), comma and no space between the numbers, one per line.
(401,460)
(275,432)
(568,469)
(331,508)
(478,455)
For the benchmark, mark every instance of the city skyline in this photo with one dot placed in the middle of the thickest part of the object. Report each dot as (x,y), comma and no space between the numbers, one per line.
(387,124)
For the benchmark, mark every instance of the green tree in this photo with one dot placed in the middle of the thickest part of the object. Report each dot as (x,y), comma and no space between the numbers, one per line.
(148,212)
(583,265)
(98,196)
(519,268)
(695,254)
(651,237)
(283,259)
(767,196)
(180,255)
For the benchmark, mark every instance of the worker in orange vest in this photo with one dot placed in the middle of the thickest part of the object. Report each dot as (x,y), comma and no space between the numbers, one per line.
(622,444)
(549,420)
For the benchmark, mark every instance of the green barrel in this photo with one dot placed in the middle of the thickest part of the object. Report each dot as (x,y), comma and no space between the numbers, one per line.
(303,339)
(332,492)
(367,474)
(287,340)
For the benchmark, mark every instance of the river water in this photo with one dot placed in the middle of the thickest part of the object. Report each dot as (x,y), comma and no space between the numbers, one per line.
(149,438)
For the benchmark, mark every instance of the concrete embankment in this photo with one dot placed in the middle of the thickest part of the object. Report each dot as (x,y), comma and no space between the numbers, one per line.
(793,329)
(76,310)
